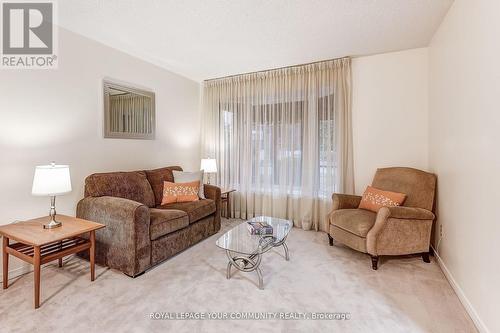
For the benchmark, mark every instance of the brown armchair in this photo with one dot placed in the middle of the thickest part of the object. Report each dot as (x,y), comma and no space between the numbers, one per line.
(393,230)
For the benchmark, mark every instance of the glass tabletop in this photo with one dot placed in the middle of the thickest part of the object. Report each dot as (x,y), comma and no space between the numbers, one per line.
(239,239)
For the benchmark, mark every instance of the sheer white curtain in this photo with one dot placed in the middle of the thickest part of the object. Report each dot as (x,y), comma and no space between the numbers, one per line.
(282,139)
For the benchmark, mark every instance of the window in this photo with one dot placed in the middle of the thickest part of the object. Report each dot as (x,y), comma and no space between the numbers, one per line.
(272,138)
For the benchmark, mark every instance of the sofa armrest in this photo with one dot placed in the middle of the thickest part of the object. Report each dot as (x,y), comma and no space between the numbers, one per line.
(413,213)
(214,193)
(345,201)
(125,243)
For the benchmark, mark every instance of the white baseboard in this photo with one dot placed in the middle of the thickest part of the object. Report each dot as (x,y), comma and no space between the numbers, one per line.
(481,327)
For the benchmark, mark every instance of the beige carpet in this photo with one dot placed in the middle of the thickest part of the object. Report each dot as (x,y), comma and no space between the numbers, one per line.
(404,295)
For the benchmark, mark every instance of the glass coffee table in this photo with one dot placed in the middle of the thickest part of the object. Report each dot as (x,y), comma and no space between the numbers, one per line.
(245,251)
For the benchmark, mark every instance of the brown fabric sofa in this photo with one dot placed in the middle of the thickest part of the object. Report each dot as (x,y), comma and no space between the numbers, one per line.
(140,232)
(393,230)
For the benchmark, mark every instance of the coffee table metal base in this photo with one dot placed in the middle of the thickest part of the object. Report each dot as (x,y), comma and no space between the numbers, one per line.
(251,262)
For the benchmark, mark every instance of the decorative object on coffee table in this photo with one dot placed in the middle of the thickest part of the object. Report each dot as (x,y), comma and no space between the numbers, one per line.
(226,201)
(245,251)
(39,246)
(259,228)
(209,166)
(51,180)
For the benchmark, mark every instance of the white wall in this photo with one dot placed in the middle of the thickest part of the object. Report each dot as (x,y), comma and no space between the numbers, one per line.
(390,112)
(57,115)
(464,102)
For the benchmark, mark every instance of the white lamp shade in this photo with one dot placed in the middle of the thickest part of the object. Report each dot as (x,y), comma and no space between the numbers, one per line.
(209,165)
(51,180)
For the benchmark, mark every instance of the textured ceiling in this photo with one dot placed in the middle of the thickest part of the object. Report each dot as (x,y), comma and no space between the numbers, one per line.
(203,39)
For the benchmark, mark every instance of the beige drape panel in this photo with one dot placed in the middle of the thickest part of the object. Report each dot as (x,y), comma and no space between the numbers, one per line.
(282,139)
(130,114)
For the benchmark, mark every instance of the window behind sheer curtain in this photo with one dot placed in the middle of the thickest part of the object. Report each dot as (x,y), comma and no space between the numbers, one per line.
(276,143)
(277,147)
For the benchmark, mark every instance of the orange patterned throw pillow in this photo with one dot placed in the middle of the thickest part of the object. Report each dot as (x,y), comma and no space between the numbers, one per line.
(373,199)
(180,192)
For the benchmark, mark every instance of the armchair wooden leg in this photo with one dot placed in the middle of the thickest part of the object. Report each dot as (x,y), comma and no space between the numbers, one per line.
(425,257)
(330,239)
(374,262)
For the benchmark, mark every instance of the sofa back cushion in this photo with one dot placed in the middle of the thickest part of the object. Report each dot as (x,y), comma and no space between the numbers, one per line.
(132,185)
(419,186)
(156,178)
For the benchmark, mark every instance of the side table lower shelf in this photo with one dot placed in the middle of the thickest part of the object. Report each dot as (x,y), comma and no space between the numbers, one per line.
(49,252)
(39,255)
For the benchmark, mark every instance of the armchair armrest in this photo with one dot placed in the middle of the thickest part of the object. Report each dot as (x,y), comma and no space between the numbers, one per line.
(125,243)
(345,201)
(214,193)
(413,213)
(400,230)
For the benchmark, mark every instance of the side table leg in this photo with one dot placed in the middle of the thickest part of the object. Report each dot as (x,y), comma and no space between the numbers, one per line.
(5,258)
(92,255)
(223,205)
(228,207)
(36,266)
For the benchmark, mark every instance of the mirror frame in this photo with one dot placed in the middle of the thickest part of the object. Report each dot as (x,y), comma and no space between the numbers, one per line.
(119,135)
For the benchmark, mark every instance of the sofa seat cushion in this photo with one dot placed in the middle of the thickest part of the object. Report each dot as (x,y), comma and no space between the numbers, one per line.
(166,221)
(355,221)
(196,210)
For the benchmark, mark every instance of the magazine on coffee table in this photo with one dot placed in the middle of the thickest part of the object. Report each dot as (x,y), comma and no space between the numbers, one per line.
(260,228)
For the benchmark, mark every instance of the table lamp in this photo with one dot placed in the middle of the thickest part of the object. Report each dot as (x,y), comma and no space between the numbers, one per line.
(208,165)
(51,180)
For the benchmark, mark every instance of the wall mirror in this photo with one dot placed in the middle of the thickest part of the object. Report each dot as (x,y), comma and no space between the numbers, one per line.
(129,113)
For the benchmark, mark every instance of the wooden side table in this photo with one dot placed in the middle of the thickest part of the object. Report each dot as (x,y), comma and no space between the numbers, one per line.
(226,202)
(38,246)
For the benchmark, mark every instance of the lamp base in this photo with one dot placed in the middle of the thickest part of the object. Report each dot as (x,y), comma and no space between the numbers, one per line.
(52,224)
